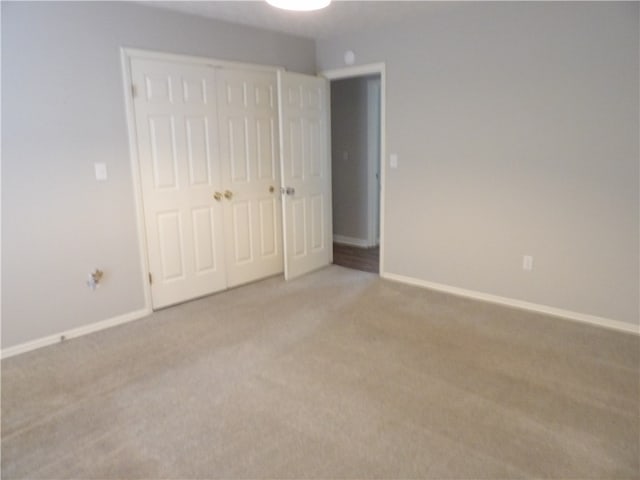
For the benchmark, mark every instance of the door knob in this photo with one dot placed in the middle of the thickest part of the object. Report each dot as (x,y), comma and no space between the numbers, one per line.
(217,196)
(228,194)
(271,189)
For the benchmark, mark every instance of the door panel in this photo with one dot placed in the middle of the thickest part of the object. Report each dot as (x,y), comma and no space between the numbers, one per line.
(247,115)
(171,252)
(204,235)
(299,227)
(265,148)
(243,241)
(198,150)
(317,225)
(304,136)
(163,151)
(293,159)
(238,157)
(176,132)
(268,235)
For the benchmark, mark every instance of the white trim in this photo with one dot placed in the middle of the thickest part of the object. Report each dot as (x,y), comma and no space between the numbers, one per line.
(373,160)
(127,80)
(285,246)
(328,164)
(354,242)
(509,302)
(75,332)
(190,59)
(1,196)
(358,71)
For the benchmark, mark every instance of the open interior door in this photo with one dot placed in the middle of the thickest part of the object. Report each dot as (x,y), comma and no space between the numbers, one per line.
(303,103)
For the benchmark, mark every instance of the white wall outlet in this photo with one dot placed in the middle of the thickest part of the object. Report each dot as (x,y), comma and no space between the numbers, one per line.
(101,171)
(393,160)
(527,263)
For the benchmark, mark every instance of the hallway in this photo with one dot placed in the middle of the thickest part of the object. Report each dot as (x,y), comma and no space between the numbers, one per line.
(364,259)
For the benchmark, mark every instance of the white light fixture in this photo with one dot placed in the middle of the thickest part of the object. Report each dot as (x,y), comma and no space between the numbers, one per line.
(299,5)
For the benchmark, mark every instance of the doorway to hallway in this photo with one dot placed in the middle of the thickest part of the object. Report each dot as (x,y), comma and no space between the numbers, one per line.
(355,165)
(357,258)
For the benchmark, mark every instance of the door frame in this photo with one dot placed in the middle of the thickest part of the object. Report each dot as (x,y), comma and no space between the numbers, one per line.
(374,162)
(126,55)
(361,71)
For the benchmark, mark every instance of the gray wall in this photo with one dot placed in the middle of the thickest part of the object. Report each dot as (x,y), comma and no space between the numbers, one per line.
(63,110)
(516,126)
(349,175)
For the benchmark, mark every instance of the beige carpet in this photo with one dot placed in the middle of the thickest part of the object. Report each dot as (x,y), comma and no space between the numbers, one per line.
(336,375)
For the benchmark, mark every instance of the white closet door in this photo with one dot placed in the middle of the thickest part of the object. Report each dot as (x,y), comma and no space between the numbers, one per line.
(306,172)
(176,131)
(248,126)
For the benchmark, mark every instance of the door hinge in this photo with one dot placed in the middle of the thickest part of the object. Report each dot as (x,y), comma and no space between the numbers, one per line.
(134,91)
(150,280)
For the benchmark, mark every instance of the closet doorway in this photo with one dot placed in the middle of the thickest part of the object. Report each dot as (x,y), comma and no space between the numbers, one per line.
(232,170)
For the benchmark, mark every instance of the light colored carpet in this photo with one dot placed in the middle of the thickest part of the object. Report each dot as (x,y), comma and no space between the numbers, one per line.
(336,375)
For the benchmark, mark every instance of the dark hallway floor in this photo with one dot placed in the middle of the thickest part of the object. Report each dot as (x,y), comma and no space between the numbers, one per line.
(365,259)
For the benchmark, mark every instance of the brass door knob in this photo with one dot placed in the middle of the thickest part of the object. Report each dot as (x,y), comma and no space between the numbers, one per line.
(271,189)
(228,194)
(217,196)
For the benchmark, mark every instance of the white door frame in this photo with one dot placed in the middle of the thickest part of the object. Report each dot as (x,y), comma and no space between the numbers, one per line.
(361,71)
(374,164)
(126,54)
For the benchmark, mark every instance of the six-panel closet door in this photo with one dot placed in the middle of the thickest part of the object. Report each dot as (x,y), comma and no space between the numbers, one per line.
(176,125)
(306,172)
(207,142)
(250,166)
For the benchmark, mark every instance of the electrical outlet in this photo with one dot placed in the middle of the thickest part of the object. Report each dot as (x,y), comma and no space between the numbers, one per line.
(101,171)
(393,160)
(527,263)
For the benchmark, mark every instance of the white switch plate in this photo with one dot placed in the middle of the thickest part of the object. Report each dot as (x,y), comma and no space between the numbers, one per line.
(101,171)
(527,263)
(393,160)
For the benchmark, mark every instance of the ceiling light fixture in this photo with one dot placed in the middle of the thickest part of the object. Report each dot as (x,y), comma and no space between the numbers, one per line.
(299,5)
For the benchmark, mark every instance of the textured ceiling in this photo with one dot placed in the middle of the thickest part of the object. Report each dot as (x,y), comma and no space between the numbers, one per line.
(339,18)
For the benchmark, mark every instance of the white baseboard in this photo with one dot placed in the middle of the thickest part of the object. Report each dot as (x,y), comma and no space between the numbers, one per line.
(354,242)
(556,312)
(75,332)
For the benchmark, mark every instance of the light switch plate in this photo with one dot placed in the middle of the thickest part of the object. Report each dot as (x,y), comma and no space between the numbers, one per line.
(393,160)
(101,171)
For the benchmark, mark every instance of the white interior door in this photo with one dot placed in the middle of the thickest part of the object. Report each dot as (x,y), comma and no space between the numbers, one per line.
(306,172)
(176,133)
(247,116)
